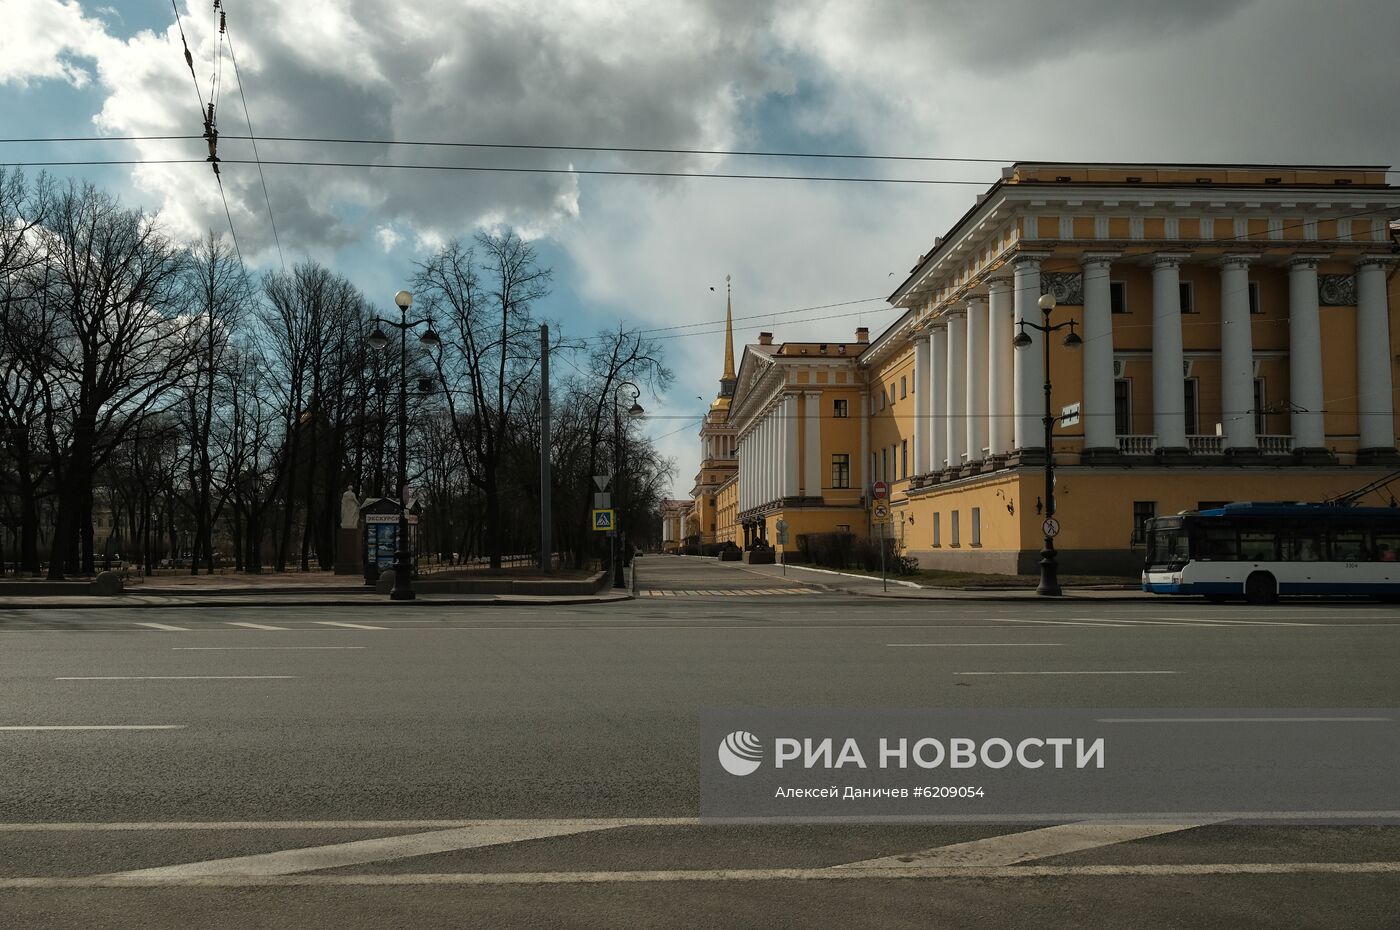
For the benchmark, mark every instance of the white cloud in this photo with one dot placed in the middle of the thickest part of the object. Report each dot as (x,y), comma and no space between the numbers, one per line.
(388,238)
(47,40)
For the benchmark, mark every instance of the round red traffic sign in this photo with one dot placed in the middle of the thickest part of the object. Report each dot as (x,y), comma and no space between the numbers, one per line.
(880,490)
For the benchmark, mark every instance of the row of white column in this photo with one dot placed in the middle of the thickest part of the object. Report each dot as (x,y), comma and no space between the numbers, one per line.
(979,396)
(769,459)
(719,446)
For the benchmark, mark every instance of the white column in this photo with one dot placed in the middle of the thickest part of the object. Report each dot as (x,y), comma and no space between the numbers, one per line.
(1375,403)
(922,397)
(765,460)
(975,410)
(790,480)
(1000,386)
(1027,364)
(812,445)
(1096,405)
(744,479)
(956,397)
(775,441)
(1168,372)
(938,399)
(863,466)
(1305,354)
(1236,354)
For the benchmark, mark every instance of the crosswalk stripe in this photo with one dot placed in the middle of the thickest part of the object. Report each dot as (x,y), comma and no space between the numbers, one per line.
(1013,848)
(360,852)
(350,626)
(255,626)
(165,626)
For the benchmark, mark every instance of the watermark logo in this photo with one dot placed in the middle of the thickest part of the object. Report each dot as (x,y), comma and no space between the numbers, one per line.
(740,753)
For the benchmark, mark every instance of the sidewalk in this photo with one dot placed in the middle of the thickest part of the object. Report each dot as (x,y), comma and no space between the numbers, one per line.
(906,590)
(294,589)
(283,599)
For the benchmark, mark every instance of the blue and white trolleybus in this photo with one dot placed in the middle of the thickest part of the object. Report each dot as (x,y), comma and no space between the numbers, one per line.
(1259,551)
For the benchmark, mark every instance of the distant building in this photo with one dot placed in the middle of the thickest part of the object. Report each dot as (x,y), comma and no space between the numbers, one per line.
(1237,345)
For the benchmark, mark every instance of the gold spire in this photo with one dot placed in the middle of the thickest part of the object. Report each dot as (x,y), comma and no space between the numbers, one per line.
(728,331)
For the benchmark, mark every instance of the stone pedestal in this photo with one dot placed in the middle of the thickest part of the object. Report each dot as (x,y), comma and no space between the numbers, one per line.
(349,551)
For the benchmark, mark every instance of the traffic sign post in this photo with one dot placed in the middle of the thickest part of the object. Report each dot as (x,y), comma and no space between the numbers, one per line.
(604,521)
(1069,415)
(880,516)
(1050,528)
(782,528)
(880,490)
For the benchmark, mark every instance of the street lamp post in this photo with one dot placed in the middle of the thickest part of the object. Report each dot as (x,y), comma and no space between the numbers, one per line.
(1049,565)
(403,570)
(633,411)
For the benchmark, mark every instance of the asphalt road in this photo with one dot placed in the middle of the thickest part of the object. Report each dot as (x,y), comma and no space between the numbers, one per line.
(490,766)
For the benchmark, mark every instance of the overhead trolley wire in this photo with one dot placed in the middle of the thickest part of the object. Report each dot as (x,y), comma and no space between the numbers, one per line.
(247,115)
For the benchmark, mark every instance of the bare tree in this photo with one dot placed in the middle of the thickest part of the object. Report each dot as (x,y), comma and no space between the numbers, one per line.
(111,276)
(489,350)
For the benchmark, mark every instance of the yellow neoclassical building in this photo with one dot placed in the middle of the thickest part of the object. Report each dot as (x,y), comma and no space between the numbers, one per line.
(1236,344)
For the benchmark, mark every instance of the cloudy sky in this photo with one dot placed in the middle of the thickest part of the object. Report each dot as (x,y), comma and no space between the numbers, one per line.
(1281,81)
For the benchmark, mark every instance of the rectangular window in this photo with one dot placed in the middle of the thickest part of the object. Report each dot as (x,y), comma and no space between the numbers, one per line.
(885,465)
(841,470)
(882,397)
(1142,512)
(840,408)
(1188,297)
(1349,546)
(1259,547)
(1123,406)
(1118,296)
(904,458)
(874,470)
(1254,305)
(1260,418)
(843,527)
(976,528)
(1192,393)
(936,528)
(953,541)
(903,387)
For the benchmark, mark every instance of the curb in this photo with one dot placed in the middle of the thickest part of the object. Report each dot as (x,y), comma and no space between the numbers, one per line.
(503,600)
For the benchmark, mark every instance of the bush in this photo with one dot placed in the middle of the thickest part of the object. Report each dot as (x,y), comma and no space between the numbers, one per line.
(846,550)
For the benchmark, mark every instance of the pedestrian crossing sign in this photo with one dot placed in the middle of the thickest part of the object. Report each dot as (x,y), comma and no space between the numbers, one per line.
(604,520)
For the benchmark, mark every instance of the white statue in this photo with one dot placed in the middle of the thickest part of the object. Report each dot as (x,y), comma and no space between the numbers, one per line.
(349,509)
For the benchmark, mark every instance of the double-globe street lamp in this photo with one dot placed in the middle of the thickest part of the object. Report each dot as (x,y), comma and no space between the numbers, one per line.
(378,340)
(1049,566)
(634,411)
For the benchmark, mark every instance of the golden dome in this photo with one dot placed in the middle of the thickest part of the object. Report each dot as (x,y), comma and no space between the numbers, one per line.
(719,403)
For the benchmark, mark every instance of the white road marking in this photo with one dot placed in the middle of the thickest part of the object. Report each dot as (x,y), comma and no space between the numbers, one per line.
(254,626)
(1243,720)
(360,852)
(599,823)
(711,875)
(169,677)
(350,626)
(161,726)
(972,644)
(1011,848)
(165,626)
(1061,622)
(1123,672)
(256,648)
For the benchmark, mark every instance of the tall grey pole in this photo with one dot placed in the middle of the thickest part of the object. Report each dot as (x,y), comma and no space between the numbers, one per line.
(546,544)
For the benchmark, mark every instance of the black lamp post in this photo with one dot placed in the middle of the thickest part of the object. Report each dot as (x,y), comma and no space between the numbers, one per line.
(1049,566)
(403,564)
(633,411)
